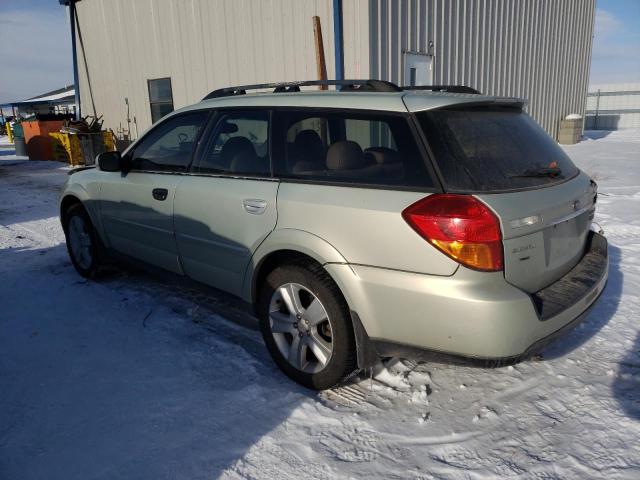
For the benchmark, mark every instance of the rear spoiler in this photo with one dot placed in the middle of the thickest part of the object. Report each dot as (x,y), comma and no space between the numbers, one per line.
(521,102)
(506,102)
(444,88)
(419,103)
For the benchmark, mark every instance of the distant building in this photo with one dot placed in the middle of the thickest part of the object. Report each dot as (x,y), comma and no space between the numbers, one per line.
(61,100)
(144,59)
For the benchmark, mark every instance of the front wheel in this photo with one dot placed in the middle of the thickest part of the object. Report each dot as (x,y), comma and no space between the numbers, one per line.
(306,325)
(82,241)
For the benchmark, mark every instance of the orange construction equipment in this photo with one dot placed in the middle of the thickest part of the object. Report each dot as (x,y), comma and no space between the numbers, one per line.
(36,135)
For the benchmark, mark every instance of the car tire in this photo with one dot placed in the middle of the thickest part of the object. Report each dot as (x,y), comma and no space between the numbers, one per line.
(82,241)
(302,359)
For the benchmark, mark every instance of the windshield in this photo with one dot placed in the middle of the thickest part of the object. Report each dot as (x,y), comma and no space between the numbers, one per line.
(491,149)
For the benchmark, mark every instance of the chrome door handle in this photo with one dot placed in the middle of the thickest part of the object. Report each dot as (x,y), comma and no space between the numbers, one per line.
(254,206)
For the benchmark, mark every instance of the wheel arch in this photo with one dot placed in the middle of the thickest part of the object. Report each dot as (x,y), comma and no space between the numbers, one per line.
(65,204)
(286,246)
(79,196)
(306,248)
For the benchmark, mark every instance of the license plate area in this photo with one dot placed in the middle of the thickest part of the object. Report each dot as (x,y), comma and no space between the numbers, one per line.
(564,241)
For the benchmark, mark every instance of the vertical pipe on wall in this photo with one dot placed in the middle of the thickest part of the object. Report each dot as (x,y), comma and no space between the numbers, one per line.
(338,39)
(72,19)
(597,110)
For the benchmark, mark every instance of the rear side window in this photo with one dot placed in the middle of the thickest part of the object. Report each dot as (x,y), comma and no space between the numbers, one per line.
(373,149)
(490,150)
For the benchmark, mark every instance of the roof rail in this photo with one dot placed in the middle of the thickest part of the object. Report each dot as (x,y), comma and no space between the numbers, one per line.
(287,87)
(444,88)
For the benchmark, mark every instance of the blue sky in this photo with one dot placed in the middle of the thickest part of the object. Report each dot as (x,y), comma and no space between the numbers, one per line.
(616,42)
(35,46)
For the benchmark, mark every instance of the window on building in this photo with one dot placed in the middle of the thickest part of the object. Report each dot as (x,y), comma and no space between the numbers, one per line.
(160,98)
(373,149)
(239,144)
(168,147)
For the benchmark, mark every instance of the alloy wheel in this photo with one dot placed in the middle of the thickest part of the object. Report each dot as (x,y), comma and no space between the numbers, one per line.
(80,241)
(301,327)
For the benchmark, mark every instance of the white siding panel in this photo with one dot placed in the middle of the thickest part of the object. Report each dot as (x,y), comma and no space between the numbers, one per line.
(203,45)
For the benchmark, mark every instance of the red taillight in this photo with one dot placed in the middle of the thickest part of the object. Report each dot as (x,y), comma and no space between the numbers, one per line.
(461,226)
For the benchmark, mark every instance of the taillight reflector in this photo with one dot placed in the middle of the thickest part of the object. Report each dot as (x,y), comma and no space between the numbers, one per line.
(461,226)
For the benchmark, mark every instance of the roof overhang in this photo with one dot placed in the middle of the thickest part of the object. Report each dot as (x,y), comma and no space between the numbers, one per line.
(57,97)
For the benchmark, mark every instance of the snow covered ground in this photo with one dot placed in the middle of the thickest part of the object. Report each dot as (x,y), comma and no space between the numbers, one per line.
(136,377)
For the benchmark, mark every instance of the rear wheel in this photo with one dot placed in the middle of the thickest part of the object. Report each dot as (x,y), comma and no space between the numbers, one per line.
(306,325)
(82,241)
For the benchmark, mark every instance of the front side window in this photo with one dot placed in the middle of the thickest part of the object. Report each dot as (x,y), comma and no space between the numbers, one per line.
(169,146)
(363,148)
(239,144)
(160,98)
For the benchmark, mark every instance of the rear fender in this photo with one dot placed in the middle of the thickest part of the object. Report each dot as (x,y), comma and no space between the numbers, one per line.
(288,239)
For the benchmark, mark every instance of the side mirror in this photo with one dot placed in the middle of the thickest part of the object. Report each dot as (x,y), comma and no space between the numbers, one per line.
(110,161)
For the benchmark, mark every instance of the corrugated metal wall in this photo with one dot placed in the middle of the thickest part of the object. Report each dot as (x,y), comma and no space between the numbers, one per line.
(536,49)
(613,106)
(200,44)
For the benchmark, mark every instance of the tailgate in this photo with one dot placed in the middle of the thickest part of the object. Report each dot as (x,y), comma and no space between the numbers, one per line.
(545,230)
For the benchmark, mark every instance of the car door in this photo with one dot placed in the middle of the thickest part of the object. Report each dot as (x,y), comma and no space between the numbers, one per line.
(137,206)
(226,206)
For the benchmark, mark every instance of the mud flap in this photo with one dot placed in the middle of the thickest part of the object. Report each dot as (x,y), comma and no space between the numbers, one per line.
(366,353)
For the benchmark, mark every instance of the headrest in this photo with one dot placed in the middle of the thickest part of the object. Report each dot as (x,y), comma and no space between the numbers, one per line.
(246,162)
(234,146)
(381,155)
(345,155)
(308,140)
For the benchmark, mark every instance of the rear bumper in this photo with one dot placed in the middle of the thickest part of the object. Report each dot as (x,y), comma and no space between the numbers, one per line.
(469,314)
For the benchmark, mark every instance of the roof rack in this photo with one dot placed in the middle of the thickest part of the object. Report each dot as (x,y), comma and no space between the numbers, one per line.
(444,88)
(287,87)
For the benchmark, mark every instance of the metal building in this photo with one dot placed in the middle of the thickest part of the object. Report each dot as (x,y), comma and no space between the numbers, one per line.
(57,101)
(139,59)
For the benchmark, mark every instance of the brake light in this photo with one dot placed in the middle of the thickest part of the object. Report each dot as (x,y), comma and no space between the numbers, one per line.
(461,226)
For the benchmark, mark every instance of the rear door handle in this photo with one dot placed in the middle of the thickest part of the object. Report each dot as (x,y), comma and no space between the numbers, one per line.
(254,206)
(160,194)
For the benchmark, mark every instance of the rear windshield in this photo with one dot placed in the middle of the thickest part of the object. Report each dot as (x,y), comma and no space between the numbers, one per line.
(488,150)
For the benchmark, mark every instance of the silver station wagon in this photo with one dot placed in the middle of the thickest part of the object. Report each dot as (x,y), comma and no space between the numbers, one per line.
(360,222)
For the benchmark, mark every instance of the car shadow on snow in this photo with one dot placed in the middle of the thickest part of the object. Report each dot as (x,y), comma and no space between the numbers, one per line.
(127,376)
(626,386)
(604,309)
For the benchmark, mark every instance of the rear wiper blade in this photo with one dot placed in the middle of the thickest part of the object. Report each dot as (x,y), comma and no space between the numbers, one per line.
(537,172)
